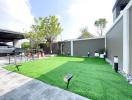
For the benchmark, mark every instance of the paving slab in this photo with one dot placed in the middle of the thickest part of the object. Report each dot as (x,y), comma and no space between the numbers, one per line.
(14,86)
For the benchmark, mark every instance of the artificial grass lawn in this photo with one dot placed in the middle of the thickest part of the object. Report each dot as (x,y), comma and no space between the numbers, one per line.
(93,77)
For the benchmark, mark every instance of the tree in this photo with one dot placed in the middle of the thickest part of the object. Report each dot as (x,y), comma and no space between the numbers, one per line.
(36,34)
(85,33)
(26,45)
(53,29)
(44,29)
(100,24)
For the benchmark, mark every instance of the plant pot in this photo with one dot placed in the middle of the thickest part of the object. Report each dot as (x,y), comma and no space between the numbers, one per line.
(101,56)
(96,54)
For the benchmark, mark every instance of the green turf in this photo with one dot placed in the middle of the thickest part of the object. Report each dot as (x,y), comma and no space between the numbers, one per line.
(93,77)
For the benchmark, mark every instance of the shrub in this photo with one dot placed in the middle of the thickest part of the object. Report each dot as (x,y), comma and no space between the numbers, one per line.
(26,45)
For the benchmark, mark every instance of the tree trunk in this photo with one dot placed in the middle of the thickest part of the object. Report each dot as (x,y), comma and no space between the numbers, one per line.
(101,31)
(50,47)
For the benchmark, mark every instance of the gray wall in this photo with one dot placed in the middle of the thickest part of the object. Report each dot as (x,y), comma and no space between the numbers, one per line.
(66,48)
(114,42)
(130,42)
(81,47)
(55,48)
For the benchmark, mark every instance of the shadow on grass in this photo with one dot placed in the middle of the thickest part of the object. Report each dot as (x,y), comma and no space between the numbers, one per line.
(92,78)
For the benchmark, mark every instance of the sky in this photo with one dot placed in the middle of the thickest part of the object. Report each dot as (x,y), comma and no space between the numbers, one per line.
(73,15)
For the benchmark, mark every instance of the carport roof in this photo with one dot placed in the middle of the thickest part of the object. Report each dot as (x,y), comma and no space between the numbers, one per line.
(8,36)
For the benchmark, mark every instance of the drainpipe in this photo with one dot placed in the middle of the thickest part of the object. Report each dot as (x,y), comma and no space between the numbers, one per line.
(126,41)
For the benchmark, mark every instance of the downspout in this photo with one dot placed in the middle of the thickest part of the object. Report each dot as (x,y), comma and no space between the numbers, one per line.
(126,41)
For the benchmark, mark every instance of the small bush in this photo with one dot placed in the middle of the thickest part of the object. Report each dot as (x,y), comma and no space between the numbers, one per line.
(26,45)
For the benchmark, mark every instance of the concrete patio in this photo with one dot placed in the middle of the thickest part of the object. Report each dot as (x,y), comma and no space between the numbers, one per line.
(19,59)
(15,86)
(5,60)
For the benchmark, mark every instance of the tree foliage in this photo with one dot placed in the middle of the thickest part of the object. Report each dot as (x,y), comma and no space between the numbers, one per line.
(36,34)
(44,29)
(100,24)
(53,29)
(25,45)
(85,33)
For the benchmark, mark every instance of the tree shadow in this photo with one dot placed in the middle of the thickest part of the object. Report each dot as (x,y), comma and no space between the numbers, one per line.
(92,78)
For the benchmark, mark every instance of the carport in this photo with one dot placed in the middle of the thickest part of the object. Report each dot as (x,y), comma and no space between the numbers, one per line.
(10,36)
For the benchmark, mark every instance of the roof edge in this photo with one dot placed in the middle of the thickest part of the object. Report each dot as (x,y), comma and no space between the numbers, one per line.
(83,39)
(10,31)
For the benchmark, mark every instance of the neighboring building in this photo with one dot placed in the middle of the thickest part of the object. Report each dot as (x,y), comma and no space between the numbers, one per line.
(119,7)
(119,36)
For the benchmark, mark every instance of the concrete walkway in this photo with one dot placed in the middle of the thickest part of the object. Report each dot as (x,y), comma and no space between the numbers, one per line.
(14,86)
(5,60)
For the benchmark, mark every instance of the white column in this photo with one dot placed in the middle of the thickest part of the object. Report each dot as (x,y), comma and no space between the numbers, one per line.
(16,43)
(126,41)
(71,47)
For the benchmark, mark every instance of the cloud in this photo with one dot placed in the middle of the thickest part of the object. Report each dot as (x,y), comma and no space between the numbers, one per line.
(85,12)
(59,17)
(15,15)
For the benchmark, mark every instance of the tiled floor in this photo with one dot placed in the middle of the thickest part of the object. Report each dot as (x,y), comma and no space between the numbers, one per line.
(14,86)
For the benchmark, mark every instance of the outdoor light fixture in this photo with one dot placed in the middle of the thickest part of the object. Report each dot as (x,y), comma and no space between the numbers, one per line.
(116,63)
(17,66)
(67,79)
(88,54)
(104,55)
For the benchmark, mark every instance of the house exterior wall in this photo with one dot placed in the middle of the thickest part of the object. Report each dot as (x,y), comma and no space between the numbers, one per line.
(81,47)
(118,7)
(130,41)
(114,42)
